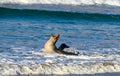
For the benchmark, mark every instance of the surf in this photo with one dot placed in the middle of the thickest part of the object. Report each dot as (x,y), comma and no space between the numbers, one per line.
(64,2)
(30,13)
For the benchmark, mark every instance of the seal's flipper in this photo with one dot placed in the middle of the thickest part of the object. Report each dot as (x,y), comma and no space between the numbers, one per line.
(62,47)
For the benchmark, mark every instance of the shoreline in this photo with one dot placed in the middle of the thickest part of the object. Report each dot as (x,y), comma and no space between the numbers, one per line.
(63,69)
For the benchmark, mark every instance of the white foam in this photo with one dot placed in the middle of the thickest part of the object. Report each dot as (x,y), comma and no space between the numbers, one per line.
(65,2)
(21,62)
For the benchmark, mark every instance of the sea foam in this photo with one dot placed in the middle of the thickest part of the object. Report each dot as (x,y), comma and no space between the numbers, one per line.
(40,63)
(65,2)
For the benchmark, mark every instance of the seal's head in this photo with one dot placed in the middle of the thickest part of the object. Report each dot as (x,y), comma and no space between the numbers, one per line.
(54,38)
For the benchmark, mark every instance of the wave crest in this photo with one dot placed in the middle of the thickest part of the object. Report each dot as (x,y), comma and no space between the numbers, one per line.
(66,2)
(6,12)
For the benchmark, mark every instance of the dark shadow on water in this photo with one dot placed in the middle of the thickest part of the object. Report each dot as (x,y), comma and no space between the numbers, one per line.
(97,74)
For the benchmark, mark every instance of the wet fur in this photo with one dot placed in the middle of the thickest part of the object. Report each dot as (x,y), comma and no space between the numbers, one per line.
(50,46)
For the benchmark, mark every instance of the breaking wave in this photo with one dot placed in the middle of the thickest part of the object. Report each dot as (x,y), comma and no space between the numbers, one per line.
(7,12)
(39,63)
(79,6)
(65,2)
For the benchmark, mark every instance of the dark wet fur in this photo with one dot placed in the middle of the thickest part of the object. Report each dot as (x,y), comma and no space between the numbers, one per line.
(62,47)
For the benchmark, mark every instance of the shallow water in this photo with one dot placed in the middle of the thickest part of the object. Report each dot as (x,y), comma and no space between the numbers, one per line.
(24,32)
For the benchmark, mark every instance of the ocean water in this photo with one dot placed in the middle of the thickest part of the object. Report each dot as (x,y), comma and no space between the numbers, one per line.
(32,28)
(91,29)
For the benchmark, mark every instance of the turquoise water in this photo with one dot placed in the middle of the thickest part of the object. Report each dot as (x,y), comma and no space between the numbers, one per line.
(30,29)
